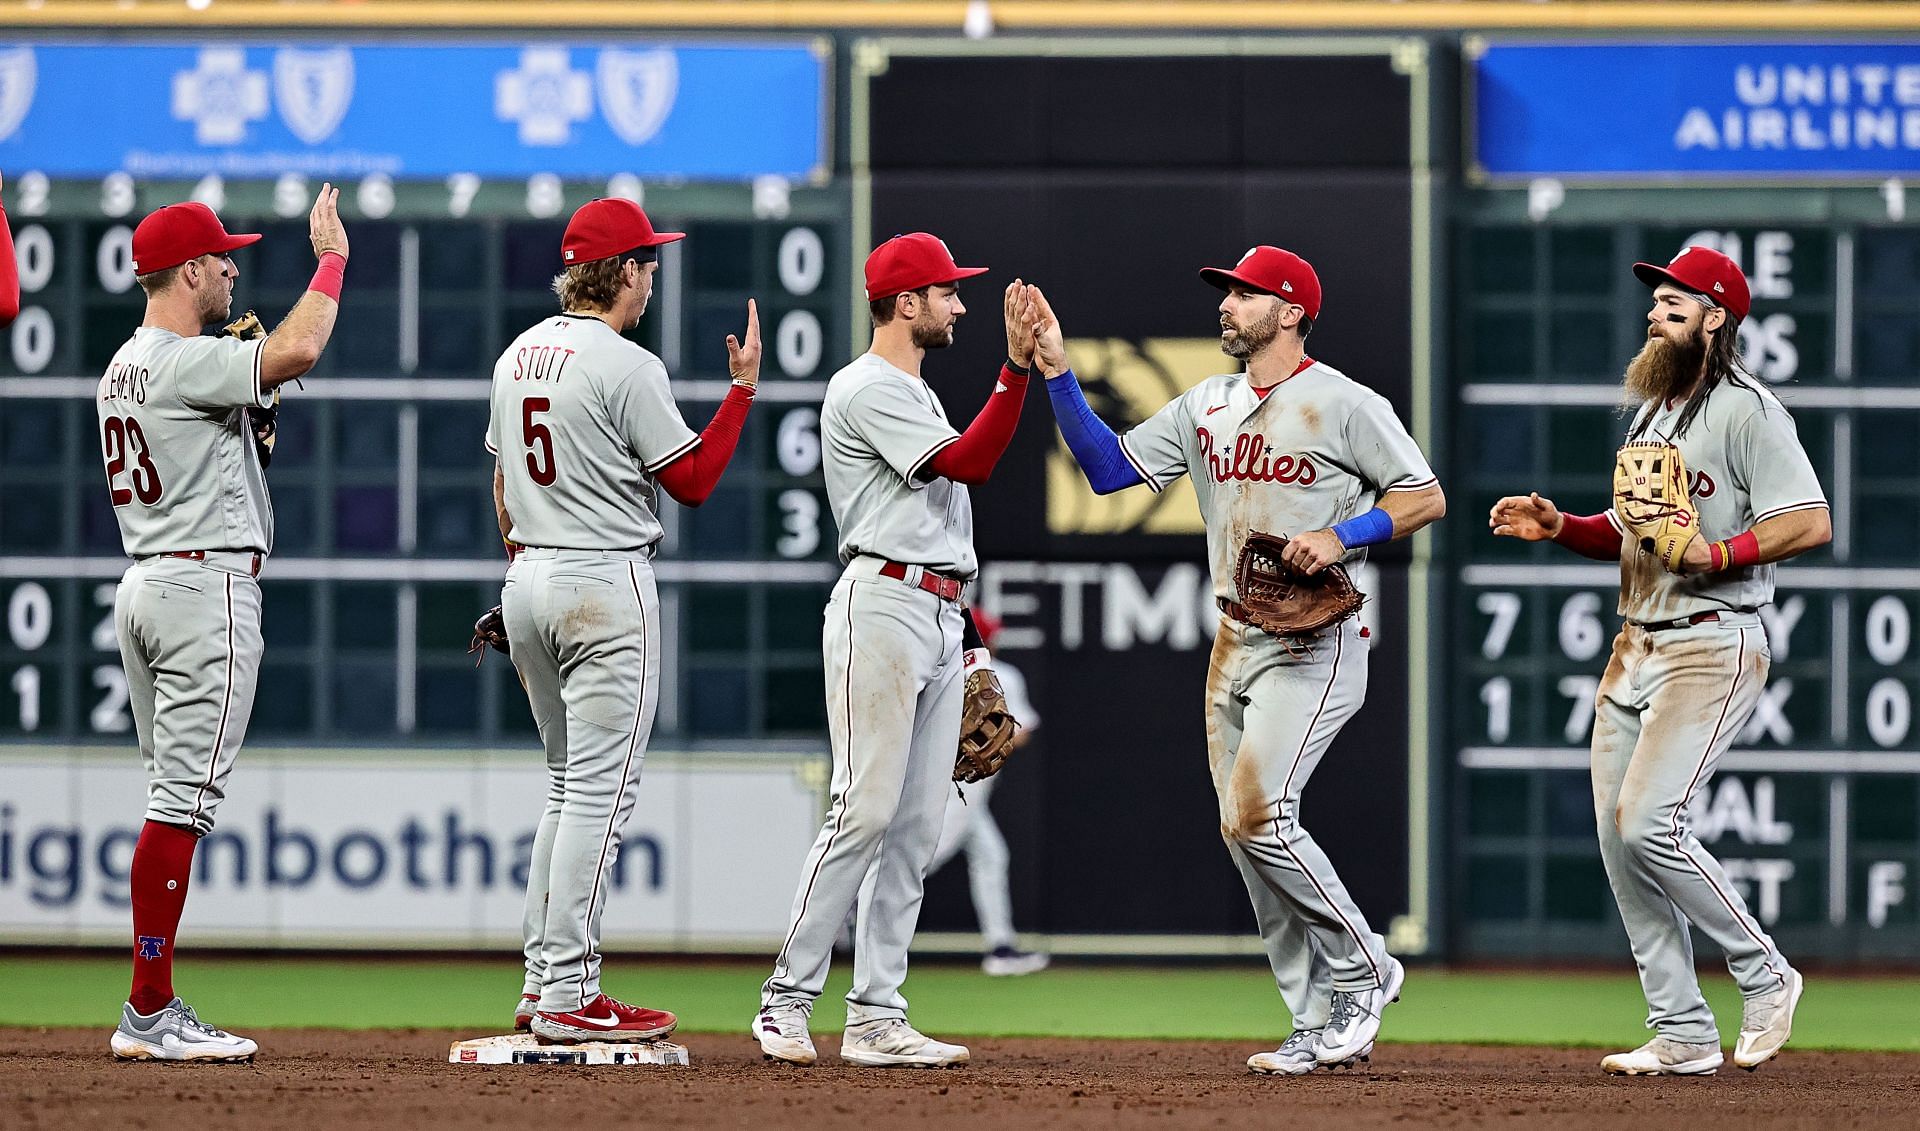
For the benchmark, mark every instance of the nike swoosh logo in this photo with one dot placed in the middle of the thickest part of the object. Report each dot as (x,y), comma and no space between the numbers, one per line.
(609,1019)
(1214,409)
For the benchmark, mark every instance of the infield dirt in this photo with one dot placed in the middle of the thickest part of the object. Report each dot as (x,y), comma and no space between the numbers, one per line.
(308,1078)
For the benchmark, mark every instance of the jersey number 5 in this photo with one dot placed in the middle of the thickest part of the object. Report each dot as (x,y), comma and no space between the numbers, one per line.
(539,441)
(122,439)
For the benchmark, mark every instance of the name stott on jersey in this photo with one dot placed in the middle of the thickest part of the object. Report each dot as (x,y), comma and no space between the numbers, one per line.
(581,419)
(1329,445)
(880,426)
(1744,465)
(181,466)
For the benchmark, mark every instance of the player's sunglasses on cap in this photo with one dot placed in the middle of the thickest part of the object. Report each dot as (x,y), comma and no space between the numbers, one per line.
(177,233)
(1275,271)
(1707,275)
(912,261)
(612,226)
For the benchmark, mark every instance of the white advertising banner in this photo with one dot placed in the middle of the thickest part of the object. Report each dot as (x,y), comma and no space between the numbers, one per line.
(342,848)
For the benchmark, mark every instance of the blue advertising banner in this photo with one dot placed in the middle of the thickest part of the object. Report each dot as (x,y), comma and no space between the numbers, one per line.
(1721,109)
(705,111)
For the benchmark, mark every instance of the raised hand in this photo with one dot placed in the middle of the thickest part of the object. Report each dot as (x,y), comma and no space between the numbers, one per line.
(743,360)
(1527,517)
(323,223)
(1018,309)
(1049,345)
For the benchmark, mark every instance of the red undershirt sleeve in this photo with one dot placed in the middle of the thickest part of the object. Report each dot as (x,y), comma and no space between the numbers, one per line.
(9,274)
(1590,536)
(692,477)
(972,457)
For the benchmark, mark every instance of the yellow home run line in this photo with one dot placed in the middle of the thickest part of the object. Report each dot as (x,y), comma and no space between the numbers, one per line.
(1190,16)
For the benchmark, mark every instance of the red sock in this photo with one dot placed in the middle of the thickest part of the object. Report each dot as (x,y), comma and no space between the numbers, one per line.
(162,863)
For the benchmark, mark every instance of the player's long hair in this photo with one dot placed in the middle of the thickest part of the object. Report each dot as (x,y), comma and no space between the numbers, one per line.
(1723,366)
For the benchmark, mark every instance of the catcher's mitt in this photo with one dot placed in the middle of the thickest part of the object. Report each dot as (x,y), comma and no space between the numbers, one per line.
(987,728)
(1650,496)
(491,628)
(1280,601)
(264,422)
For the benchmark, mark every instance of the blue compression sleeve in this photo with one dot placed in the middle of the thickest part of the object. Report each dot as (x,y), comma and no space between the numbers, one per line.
(1094,446)
(1370,529)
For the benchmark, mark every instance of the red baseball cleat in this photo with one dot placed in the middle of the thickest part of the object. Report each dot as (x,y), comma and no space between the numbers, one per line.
(603,1019)
(523,1012)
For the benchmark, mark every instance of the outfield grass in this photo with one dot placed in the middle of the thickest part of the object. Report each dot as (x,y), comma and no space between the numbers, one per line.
(1227,1003)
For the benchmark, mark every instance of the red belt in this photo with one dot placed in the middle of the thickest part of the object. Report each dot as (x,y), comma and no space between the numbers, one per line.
(940,585)
(201,556)
(1682,622)
(1234,610)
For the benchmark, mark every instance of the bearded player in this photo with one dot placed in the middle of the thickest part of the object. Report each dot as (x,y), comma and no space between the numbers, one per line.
(1691,661)
(184,474)
(1291,447)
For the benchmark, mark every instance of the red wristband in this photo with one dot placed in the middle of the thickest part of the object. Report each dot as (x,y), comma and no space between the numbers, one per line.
(1743,550)
(331,273)
(1719,552)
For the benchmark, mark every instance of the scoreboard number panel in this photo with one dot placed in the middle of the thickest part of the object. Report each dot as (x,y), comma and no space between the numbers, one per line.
(1816,810)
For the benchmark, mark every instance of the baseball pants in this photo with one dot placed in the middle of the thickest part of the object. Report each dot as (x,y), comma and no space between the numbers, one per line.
(1271,715)
(1668,707)
(893,682)
(584,629)
(190,641)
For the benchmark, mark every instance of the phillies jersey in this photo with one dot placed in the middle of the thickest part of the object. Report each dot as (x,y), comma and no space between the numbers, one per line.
(181,467)
(1744,465)
(581,420)
(1319,448)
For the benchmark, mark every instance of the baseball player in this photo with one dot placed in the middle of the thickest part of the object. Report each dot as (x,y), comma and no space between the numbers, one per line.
(1293,447)
(969,825)
(184,475)
(9,273)
(585,432)
(897,476)
(1690,663)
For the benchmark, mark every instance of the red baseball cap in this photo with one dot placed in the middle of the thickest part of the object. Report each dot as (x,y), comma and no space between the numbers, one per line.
(607,227)
(988,624)
(1703,271)
(1274,270)
(172,235)
(912,261)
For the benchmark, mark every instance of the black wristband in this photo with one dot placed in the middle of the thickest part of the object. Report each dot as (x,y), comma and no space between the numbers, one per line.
(969,632)
(1022,370)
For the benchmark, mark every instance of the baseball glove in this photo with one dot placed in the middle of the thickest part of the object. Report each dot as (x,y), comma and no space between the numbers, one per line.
(263,422)
(491,628)
(987,728)
(1280,601)
(1650,496)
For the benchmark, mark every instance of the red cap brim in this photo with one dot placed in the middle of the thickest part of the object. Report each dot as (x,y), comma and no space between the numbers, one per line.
(235,241)
(664,237)
(1223,279)
(965,273)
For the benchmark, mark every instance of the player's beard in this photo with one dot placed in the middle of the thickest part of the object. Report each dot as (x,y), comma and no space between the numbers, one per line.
(1664,368)
(932,335)
(1252,339)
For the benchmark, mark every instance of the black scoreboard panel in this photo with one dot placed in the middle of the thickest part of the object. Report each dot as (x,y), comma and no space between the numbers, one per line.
(386,546)
(1816,811)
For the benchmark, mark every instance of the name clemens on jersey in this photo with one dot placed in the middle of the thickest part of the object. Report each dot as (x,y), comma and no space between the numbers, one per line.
(1252,459)
(541,363)
(125,381)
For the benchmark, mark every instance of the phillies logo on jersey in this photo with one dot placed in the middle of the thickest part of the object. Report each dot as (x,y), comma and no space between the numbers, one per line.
(1253,460)
(1699,485)
(150,946)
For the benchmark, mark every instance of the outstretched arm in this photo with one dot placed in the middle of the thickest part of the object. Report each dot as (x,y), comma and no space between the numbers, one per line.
(1095,447)
(692,478)
(1532,518)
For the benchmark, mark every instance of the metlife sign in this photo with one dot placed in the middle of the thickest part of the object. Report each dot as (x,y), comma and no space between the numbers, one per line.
(403,848)
(1731,110)
(702,111)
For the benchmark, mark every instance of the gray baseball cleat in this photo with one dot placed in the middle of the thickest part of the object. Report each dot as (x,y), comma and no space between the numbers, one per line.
(1767,1023)
(1354,1020)
(1296,1056)
(892,1043)
(1011,962)
(523,1012)
(177,1033)
(782,1033)
(1663,1057)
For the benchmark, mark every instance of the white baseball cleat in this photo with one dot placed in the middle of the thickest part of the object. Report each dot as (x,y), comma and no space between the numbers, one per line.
(523,1012)
(1298,1055)
(1008,962)
(1767,1023)
(177,1033)
(782,1033)
(892,1043)
(1354,1020)
(1663,1057)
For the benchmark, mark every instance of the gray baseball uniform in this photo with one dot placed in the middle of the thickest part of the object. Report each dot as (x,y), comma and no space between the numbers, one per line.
(184,479)
(581,419)
(1672,700)
(893,684)
(1317,449)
